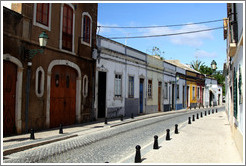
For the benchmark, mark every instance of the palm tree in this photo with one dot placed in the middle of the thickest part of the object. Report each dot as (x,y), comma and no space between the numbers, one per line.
(196,64)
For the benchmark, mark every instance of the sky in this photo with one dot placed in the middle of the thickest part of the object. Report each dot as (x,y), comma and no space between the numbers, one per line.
(204,46)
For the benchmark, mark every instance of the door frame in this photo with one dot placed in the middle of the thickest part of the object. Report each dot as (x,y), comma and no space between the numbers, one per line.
(78,88)
(106,112)
(18,96)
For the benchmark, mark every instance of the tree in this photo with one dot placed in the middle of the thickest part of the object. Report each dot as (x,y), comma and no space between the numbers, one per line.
(157,52)
(196,64)
(206,70)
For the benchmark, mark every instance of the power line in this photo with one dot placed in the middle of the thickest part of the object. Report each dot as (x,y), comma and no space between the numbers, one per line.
(172,34)
(204,22)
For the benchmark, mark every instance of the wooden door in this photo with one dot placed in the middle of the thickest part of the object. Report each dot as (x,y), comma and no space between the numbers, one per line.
(63,96)
(141,95)
(9,97)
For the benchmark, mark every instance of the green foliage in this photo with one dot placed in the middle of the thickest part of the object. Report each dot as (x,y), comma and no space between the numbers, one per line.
(205,70)
(196,64)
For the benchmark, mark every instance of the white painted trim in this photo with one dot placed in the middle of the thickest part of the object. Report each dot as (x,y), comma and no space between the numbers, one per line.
(42,82)
(38,24)
(85,86)
(78,88)
(18,98)
(61,23)
(82,29)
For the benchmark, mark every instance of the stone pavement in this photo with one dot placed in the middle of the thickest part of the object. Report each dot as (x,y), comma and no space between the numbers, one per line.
(21,142)
(206,140)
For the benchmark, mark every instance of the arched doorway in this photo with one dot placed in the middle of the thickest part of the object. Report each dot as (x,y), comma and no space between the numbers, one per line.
(9,97)
(63,96)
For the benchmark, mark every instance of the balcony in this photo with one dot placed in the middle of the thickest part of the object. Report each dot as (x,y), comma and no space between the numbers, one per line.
(232,49)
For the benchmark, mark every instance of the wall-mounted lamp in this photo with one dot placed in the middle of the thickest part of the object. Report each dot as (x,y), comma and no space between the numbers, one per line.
(43,38)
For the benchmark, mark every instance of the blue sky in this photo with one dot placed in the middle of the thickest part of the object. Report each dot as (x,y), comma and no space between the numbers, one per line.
(204,46)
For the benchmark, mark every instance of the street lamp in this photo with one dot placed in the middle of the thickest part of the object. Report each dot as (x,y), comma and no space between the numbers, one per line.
(29,54)
(213,65)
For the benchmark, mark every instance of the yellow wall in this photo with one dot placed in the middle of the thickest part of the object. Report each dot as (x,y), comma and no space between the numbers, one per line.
(191,84)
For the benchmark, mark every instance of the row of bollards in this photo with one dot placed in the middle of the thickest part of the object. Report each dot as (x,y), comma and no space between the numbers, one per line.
(155,145)
(205,113)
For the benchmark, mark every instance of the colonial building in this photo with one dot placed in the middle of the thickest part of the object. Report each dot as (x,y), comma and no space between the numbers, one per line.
(234,71)
(155,79)
(169,78)
(43,89)
(213,92)
(121,80)
(180,85)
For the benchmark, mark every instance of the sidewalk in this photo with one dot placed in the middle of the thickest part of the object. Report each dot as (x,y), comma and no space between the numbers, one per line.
(206,140)
(17,143)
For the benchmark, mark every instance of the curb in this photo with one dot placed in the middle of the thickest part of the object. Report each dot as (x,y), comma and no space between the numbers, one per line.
(25,147)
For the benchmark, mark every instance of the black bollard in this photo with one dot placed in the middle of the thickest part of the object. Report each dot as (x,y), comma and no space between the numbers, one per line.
(60,130)
(205,113)
(197,116)
(138,154)
(201,114)
(156,146)
(121,117)
(132,116)
(208,112)
(216,110)
(189,121)
(176,129)
(193,119)
(32,134)
(212,111)
(106,120)
(168,135)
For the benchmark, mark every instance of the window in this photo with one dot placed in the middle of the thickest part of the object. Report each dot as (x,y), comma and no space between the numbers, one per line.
(198,92)
(42,15)
(67,28)
(131,87)
(39,88)
(85,86)
(117,85)
(86,28)
(193,93)
(165,90)
(150,88)
(178,91)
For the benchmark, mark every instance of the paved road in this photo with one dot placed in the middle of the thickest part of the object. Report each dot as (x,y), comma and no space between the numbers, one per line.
(110,145)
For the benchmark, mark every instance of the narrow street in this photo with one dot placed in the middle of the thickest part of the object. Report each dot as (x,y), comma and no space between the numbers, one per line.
(112,145)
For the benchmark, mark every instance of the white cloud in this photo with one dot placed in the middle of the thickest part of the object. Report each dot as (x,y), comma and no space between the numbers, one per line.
(204,54)
(192,39)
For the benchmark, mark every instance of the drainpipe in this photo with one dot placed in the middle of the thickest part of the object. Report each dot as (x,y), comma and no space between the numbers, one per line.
(28,78)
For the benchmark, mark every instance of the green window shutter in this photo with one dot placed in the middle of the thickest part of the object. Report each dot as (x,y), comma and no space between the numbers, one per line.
(240,85)
(235,93)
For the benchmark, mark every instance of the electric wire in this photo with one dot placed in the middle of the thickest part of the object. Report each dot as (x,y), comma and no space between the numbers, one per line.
(159,26)
(162,35)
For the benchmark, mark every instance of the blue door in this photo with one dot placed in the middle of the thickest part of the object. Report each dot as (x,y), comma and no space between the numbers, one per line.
(141,95)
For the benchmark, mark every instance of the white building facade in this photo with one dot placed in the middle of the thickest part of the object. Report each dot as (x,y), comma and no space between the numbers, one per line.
(120,80)
(234,71)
